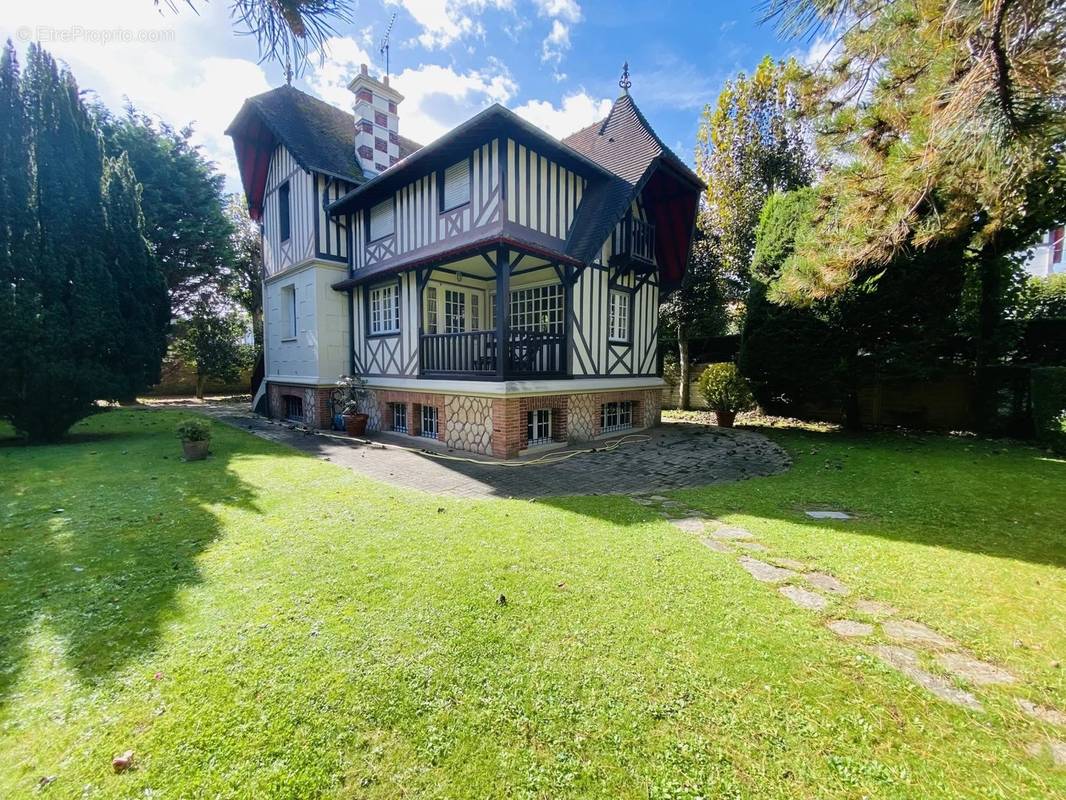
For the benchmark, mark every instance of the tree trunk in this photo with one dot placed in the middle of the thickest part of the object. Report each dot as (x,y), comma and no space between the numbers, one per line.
(852,408)
(683,362)
(200,381)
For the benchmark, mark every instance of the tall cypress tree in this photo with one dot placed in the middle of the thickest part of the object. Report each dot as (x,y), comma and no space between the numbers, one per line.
(83,309)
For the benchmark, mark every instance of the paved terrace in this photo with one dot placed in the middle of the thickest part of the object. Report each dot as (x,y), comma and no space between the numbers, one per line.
(672,456)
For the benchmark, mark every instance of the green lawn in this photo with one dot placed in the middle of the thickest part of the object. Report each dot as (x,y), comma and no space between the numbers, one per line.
(265,624)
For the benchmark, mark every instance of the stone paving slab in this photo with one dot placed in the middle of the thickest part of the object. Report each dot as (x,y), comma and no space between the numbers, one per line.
(716,546)
(812,601)
(767,573)
(828,514)
(978,672)
(849,628)
(675,456)
(1054,748)
(906,662)
(1052,716)
(689,524)
(826,582)
(916,633)
(731,534)
(875,608)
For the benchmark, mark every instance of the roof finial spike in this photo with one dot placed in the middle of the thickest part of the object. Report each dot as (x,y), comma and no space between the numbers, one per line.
(288,71)
(625,83)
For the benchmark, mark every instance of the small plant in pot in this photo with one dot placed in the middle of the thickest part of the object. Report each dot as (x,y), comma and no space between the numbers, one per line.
(726,391)
(195,435)
(351,392)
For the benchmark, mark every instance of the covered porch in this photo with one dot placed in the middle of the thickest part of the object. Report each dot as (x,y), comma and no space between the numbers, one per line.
(499,314)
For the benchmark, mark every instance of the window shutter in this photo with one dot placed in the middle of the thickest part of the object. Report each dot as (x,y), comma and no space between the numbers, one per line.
(381,220)
(456,185)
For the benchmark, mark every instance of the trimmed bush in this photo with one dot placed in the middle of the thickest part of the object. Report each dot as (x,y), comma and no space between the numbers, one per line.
(1048,393)
(725,389)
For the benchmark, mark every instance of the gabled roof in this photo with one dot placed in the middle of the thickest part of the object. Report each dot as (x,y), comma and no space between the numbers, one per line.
(320,136)
(625,144)
(457,143)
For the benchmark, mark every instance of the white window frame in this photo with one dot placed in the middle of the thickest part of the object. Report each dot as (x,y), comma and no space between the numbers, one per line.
(537,308)
(618,315)
(431,310)
(455,311)
(382,221)
(290,310)
(399,417)
(455,186)
(428,427)
(616,415)
(538,427)
(475,311)
(384,317)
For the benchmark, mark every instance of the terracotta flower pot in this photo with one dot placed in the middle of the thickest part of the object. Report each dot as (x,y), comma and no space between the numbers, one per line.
(355,424)
(725,419)
(196,451)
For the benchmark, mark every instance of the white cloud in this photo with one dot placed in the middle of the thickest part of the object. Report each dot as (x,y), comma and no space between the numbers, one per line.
(436,96)
(162,62)
(444,21)
(576,111)
(563,15)
(569,10)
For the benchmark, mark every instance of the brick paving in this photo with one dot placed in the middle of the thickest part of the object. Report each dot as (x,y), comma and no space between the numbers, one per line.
(673,456)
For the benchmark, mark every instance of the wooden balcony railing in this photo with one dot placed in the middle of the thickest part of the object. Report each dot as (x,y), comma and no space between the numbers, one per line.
(474,354)
(641,240)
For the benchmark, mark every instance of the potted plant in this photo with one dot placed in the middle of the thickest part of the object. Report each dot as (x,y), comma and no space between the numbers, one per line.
(195,435)
(351,392)
(726,392)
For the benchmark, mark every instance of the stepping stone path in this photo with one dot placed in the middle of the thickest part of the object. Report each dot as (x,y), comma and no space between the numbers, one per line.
(767,573)
(974,670)
(804,598)
(875,608)
(906,662)
(849,628)
(1052,716)
(916,633)
(947,654)
(825,582)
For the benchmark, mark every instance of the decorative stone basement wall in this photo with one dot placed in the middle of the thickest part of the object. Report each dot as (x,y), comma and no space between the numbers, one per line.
(316,402)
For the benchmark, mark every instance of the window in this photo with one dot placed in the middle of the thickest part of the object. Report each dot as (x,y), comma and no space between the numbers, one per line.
(492,311)
(618,316)
(1056,238)
(475,311)
(382,222)
(616,416)
(455,190)
(288,311)
(538,309)
(283,211)
(429,422)
(384,309)
(294,408)
(539,427)
(431,309)
(454,311)
(399,417)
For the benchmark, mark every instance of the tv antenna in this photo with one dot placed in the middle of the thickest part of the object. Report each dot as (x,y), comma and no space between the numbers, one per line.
(385,44)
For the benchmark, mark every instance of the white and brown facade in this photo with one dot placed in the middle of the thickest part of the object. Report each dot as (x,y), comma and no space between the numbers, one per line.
(497,289)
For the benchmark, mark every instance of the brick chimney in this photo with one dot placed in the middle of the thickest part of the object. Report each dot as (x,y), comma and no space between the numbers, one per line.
(377,122)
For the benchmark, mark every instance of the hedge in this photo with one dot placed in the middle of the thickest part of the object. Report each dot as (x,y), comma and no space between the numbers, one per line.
(1048,397)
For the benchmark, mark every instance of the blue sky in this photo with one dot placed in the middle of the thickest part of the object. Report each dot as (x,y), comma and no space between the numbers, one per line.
(556,62)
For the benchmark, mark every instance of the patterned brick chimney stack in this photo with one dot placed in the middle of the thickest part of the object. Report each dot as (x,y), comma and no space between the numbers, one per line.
(377,122)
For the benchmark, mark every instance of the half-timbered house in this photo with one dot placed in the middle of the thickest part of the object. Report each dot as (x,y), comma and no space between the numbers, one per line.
(498,289)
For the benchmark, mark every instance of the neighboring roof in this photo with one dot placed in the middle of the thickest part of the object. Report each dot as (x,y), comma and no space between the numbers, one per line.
(457,143)
(320,136)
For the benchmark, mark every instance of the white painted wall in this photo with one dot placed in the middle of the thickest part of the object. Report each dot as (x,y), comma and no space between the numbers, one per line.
(319,353)
(1041,261)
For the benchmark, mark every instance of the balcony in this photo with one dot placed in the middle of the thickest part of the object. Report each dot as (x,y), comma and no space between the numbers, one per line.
(635,246)
(476,355)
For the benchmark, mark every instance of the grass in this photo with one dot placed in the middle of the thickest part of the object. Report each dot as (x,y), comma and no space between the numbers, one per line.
(265,624)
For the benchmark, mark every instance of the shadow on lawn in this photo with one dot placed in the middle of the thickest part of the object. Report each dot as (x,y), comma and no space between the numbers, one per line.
(100,534)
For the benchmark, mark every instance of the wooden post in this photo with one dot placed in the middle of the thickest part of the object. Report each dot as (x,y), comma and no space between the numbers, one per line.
(503,307)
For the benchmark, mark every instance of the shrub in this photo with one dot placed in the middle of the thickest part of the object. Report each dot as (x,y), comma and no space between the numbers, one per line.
(725,389)
(1048,393)
(194,430)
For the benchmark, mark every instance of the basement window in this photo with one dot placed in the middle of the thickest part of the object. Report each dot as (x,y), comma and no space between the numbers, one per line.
(539,427)
(616,416)
(294,408)
(399,417)
(429,422)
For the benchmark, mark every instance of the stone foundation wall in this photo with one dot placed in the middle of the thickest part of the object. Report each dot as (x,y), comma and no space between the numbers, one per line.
(316,403)
(483,425)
